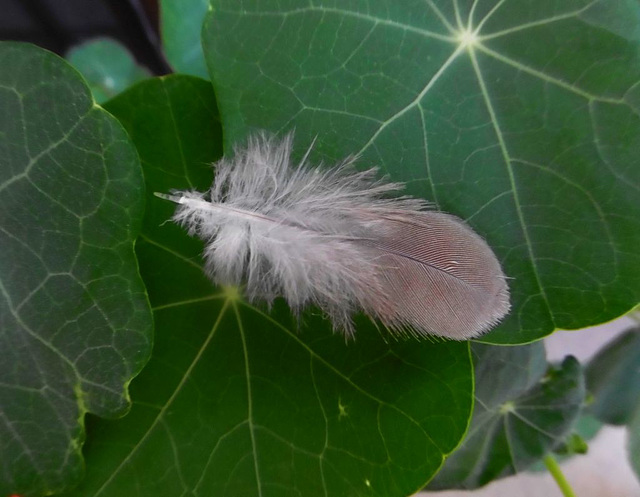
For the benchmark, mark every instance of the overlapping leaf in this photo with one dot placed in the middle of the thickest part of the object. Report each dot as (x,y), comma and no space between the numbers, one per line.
(75,324)
(521,117)
(240,401)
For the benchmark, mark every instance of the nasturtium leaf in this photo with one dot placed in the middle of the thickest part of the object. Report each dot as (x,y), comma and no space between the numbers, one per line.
(520,117)
(613,379)
(108,67)
(241,401)
(520,414)
(633,443)
(181,25)
(576,443)
(75,323)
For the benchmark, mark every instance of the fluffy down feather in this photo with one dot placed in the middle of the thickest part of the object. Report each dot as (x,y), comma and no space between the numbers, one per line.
(336,239)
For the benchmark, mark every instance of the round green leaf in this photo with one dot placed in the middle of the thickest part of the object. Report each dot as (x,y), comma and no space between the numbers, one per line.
(240,401)
(181,24)
(613,378)
(75,320)
(520,117)
(520,414)
(107,66)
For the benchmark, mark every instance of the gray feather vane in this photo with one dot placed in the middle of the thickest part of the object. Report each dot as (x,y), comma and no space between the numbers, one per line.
(335,238)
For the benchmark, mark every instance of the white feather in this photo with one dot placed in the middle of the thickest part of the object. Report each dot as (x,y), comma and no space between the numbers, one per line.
(327,237)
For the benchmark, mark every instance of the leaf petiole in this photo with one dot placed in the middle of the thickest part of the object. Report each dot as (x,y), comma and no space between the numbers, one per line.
(554,468)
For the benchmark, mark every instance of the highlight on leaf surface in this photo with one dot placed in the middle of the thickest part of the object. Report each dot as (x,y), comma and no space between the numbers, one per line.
(334,238)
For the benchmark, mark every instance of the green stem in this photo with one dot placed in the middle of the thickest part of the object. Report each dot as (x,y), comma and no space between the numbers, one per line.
(554,468)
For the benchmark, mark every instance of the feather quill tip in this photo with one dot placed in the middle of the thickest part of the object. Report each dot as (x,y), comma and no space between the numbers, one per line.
(173,198)
(334,238)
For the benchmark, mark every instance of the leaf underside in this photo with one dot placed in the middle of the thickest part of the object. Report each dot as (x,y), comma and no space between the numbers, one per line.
(520,414)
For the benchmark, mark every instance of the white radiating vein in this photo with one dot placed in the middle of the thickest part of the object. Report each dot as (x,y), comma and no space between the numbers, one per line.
(252,427)
(539,22)
(441,16)
(489,14)
(545,77)
(456,10)
(415,101)
(159,417)
(365,17)
(471,14)
(427,162)
(512,181)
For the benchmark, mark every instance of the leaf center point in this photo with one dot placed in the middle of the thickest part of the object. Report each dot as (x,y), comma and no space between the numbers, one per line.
(507,407)
(232,293)
(467,38)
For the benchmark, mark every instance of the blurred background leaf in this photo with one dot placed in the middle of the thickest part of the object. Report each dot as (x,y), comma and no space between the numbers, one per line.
(613,379)
(181,26)
(633,443)
(107,66)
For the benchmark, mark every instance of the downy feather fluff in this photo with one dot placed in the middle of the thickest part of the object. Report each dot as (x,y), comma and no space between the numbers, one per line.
(335,238)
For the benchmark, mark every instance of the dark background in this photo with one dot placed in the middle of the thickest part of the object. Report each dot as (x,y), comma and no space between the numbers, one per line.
(58,25)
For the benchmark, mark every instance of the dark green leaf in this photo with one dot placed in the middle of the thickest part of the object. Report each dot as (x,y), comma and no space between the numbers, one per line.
(520,414)
(613,378)
(75,320)
(107,66)
(521,117)
(181,25)
(574,444)
(238,401)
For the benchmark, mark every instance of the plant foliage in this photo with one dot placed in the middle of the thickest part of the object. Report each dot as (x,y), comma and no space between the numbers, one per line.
(520,117)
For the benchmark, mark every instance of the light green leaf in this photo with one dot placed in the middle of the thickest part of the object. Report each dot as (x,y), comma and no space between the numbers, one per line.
(239,401)
(520,414)
(520,117)
(107,66)
(75,320)
(181,24)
